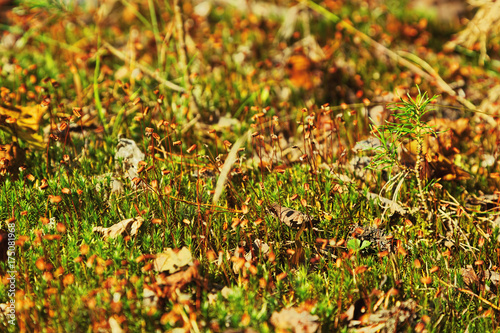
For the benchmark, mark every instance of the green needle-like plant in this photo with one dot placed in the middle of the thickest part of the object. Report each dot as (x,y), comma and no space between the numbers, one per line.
(408,128)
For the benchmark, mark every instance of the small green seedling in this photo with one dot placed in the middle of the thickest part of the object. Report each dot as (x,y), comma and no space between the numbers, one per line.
(356,245)
(409,126)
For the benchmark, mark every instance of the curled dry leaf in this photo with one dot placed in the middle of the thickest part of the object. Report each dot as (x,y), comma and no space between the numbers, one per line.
(130,155)
(170,283)
(448,134)
(436,165)
(290,217)
(473,279)
(261,247)
(150,297)
(392,205)
(374,235)
(173,261)
(294,320)
(395,319)
(129,226)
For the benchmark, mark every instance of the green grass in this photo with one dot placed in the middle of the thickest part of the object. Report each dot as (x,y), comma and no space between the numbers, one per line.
(70,278)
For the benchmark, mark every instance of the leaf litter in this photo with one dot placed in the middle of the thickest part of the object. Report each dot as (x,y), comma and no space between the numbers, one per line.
(126,227)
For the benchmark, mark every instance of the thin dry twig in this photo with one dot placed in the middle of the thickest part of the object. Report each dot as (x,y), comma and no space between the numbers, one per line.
(430,74)
(445,86)
(470,293)
(117,53)
(379,47)
(182,52)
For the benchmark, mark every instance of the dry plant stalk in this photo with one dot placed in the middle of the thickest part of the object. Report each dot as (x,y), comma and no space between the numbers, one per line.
(486,23)
(120,55)
(183,59)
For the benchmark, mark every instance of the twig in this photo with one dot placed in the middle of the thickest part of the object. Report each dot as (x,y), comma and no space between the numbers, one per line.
(470,293)
(379,47)
(182,52)
(181,44)
(445,86)
(430,75)
(190,124)
(143,68)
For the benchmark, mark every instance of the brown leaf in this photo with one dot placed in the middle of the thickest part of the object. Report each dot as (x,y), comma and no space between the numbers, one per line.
(374,235)
(435,164)
(129,227)
(290,217)
(170,283)
(442,167)
(294,320)
(395,319)
(448,135)
(473,279)
(172,261)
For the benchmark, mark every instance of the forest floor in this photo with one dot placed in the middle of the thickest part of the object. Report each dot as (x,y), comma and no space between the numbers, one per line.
(245,166)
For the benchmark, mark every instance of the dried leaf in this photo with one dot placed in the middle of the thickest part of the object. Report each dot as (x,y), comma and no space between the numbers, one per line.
(373,235)
(129,226)
(150,298)
(392,205)
(295,320)
(448,135)
(173,261)
(477,280)
(131,155)
(26,124)
(441,167)
(395,319)
(170,283)
(261,247)
(290,217)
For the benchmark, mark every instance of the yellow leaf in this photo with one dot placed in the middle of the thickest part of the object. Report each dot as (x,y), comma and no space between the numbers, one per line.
(26,124)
